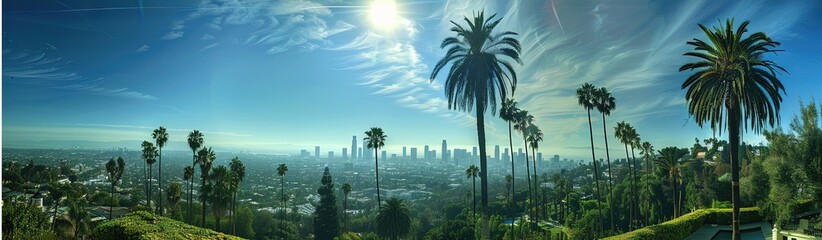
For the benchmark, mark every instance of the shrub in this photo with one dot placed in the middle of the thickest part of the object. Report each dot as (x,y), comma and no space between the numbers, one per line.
(685,225)
(144,225)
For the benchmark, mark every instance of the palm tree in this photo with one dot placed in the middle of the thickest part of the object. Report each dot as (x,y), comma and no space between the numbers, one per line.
(160,136)
(195,141)
(282,169)
(524,120)
(622,132)
(733,83)
(394,219)
(346,189)
(669,161)
(205,157)
(237,173)
(188,176)
(115,170)
(605,103)
(173,197)
(376,140)
(149,154)
(508,182)
(585,97)
(79,216)
(220,195)
(472,173)
(57,191)
(534,137)
(647,152)
(508,113)
(634,143)
(480,71)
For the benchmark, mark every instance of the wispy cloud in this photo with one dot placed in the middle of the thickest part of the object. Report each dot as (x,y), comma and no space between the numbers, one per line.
(148,128)
(277,25)
(143,48)
(38,69)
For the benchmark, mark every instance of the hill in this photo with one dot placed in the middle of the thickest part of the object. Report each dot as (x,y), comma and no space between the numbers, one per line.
(144,225)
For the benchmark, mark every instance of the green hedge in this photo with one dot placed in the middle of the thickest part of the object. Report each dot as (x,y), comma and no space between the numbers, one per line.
(685,225)
(145,226)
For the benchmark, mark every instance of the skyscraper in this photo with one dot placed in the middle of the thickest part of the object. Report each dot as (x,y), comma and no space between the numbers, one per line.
(359,152)
(444,150)
(474,152)
(317,151)
(330,154)
(354,147)
(345,153)
(403,153)
(413,153)
(496,152)
(506,155)
(383,154)
(366,152)
(425,153)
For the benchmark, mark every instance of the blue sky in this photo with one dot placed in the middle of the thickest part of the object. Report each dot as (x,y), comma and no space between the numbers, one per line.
(278,76)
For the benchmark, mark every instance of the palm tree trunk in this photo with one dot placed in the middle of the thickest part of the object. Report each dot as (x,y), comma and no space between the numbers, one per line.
(733,140)
(536,182)
(202,222)
(150,188)
(282,199)
(191,186)
(631,175)
(513,178)
(377,172)
(160,181)
(596,171)
(110,205)
(233,211)
(633,187)
(528,177)
(610,176)
(483,169)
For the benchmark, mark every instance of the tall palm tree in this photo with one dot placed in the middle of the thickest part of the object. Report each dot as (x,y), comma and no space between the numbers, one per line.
(733,83)
(508,113)
(472,172)
(220,195)
(237,173)
(346,189)
(605,103)
(480,71)
(205,157)
(623,133)
(115,170)
(57,191)
(534,137)
(647,152)
(282,169)
(585,98)
(150,155)
(394,219)
(78,215)
(195,141)
(508,182)
(160,137)
(524,120)
(188,176)
(669,161)
(376,140)
(635,143)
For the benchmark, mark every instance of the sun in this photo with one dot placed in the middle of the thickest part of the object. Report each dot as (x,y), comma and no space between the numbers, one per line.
(383,14)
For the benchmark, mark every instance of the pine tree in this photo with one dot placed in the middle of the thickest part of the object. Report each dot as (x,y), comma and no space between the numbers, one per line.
(326,224)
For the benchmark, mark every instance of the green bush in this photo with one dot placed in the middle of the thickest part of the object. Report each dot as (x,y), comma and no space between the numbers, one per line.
(144,226)
(685,225)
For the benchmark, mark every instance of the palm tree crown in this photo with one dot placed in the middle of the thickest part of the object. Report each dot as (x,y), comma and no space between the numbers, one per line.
(394,219)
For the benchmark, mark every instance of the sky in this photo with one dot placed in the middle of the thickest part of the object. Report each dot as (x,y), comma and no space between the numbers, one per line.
(280,76)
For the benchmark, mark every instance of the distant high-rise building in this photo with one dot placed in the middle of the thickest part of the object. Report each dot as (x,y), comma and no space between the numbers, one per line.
(444,150)
(474,152)
(345,153)
(354,147)
(304,153)
(383,154)
(556,159)
(359,153)
(330,154)
(317,151)
(520,157)
(366,152)
(425,153)
(496,152)
(413,153)
(506,155)
(539,159)
(403,153)
(432,155)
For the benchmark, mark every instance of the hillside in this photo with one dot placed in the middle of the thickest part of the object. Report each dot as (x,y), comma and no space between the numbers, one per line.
(144,225)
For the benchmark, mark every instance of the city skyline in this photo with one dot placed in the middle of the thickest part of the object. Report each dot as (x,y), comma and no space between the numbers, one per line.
(283,76)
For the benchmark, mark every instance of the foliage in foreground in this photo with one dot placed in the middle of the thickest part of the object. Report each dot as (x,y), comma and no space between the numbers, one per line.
(144,225)
(682,227)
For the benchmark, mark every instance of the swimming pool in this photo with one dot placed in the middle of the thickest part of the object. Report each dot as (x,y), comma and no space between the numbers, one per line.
(747,234)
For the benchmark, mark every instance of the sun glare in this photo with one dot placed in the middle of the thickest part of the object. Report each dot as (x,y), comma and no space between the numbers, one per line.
(383,14)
